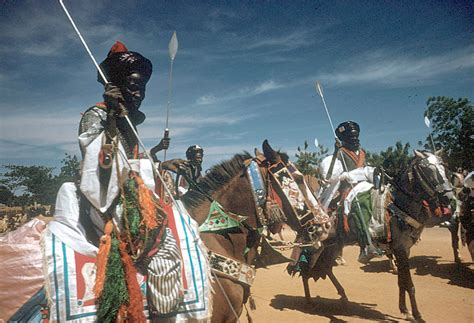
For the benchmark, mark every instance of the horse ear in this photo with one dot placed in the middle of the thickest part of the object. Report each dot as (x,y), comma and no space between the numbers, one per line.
(258,153)
(269,153)
(418,153)
(439,152)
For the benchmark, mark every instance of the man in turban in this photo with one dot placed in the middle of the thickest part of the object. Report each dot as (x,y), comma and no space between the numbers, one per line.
(117,192)
(348,156)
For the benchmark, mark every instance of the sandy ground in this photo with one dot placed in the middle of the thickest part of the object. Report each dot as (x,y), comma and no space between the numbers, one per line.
(445,292)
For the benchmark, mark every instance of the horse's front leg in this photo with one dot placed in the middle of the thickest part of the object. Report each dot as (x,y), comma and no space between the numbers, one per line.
(405,284)
(307,293)
(339,288)
(454,229)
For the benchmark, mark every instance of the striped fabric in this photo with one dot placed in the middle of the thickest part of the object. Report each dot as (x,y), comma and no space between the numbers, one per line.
(164,275)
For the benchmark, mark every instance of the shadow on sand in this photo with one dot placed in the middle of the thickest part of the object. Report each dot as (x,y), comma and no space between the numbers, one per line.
(331,308)
(456,274)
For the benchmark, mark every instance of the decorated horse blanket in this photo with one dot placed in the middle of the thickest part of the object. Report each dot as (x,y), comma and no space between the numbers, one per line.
(178,283)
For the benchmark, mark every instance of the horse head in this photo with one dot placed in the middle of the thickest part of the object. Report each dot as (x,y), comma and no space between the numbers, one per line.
(286,184)
(430,175)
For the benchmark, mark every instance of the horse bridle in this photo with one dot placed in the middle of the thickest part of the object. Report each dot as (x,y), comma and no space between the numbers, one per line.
(432,190)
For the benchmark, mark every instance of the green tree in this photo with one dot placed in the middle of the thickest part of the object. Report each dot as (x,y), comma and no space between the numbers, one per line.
(452,123)
(6,195)
(393,160)
(69,172)
(38,183)
(308,162)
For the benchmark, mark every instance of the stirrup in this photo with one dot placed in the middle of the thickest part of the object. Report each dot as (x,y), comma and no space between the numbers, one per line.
(368,253)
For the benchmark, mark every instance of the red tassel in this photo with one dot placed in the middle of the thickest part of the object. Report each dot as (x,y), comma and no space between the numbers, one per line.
(147,205)
(346,223)
(135,306)
(102,258)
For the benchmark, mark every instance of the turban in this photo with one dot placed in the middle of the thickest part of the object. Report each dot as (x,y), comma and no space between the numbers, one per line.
(121,62)
(347,130)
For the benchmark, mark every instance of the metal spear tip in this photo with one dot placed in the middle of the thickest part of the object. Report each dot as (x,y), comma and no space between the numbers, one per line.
(316,143)
(427,122)
(318,88)
(173,46)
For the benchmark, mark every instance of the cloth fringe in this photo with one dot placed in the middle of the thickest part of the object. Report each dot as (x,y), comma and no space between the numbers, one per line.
(147,204)
(102,258)
(134,310)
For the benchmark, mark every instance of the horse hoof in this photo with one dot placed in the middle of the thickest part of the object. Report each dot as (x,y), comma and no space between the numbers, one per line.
(419,319)
(409,317)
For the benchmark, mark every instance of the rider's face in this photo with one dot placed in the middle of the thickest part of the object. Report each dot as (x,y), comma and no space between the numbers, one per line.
(198,157)
(134,90)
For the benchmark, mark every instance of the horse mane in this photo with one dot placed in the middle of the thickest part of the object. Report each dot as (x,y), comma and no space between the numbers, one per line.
(215,178)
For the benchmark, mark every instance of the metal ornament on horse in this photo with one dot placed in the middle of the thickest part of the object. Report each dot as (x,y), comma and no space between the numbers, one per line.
(319,90)
(132,128)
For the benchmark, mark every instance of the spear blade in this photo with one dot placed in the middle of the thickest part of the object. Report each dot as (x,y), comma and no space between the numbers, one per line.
(319,89)
(173,46)
(427,122)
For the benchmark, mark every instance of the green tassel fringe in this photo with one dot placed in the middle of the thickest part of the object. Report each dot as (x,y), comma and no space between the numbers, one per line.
(115,293)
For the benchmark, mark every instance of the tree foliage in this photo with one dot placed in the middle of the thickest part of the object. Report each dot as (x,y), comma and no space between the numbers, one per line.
(37,183)
(393,160)
(308,162)
(452,123)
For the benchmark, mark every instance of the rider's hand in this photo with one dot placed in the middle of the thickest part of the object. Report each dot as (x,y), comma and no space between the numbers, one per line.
(183,167)
(164,144)
(114,100)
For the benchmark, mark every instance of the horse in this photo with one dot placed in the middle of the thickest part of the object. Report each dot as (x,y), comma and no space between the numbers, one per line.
(421,189)
(453,219)
(228,184)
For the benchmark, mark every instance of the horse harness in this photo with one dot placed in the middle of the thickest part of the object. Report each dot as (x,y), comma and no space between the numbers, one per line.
(416,172)
(268,208)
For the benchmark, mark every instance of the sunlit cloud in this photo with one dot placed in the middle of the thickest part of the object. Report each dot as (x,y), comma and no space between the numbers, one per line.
(384,67)
(242,93)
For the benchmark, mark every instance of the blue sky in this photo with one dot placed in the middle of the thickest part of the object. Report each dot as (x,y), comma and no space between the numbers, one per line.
(244,71)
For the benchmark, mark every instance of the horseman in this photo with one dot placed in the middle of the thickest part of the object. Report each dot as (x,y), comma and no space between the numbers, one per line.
(116,189)
(348,156)
(189,170)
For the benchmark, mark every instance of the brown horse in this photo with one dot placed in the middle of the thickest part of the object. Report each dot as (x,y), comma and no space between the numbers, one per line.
(423,181)
(229,184)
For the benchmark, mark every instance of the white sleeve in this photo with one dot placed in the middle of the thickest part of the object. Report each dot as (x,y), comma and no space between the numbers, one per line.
(99,196)
(361,174)
(326,163)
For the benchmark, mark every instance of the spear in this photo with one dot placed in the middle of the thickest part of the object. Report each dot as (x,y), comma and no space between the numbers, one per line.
(319,90)
(428,125)
(172,49)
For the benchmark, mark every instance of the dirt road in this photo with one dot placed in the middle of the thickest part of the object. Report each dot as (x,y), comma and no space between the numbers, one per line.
(445,292)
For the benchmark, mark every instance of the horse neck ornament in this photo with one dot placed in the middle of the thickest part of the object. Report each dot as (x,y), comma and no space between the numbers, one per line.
(226,193)
(284,188)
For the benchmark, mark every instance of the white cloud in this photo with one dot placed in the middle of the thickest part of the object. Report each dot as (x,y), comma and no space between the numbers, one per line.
(267,86)
(293,40)
(396,69)
(242,93)
(206,99)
